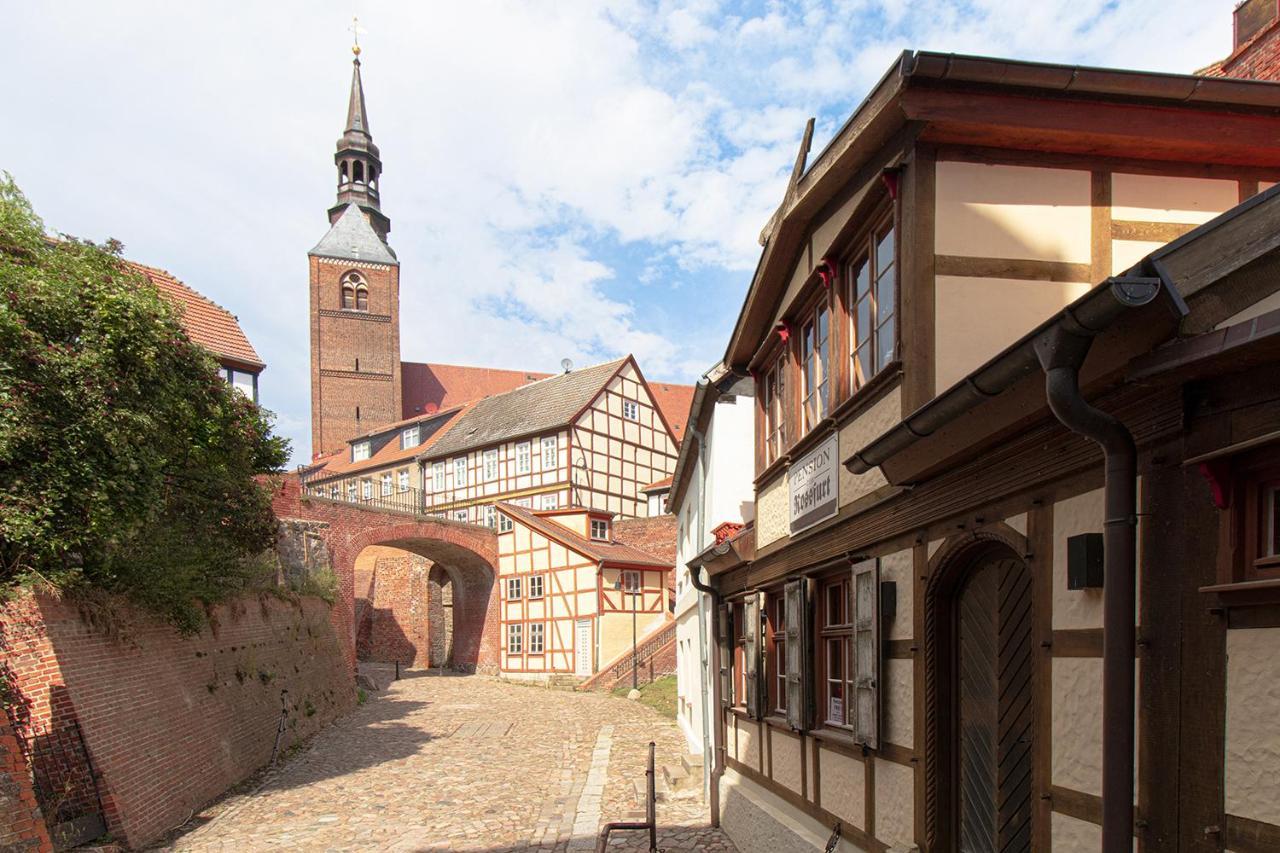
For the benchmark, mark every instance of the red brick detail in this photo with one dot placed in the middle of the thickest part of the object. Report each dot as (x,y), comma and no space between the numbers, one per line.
(655,536)
(725,530)
(469,552)
(21,824)
(171,722)
(1256,59)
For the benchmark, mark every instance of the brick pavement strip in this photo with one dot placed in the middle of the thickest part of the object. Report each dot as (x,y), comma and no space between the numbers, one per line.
(463,763)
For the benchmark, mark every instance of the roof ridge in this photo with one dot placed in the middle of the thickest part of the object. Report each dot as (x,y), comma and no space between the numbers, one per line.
(180,283)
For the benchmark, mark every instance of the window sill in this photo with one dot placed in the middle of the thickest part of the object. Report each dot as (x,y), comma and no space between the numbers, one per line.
(1245,593)
(839,738)
(869,394)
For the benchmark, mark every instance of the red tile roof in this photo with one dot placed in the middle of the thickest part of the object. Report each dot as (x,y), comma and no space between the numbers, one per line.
(607,552)
(429,387)
(664,483)
(675,402)
(206,323)
(340,463)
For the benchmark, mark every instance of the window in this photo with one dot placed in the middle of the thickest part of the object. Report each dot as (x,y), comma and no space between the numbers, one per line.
(815,351)
(774,400)
(491,517)
(1270,521)
(513,639)
(333,492)
(505,524)
(631,581)
(245,383)
(872,301)
(550,501)
(600,529)
(355,293)
(535,638)
(1260,508)
(459,515)
(738,609)
(535,586)
(460,472)
(631,410)
(524,460)
(360,451)
(366,488)
(490,465)
(402,477)
(513,589)
(386,483)
(777,664)
(437,476)
(409,437)
(548,452)
(835,645)
(351,491)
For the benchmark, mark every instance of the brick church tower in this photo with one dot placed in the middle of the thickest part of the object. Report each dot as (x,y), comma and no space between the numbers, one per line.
(355,297)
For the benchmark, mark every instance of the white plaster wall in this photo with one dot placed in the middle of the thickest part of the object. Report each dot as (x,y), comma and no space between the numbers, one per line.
(1076,725)
(759,821)
(1018,523)
(730,486)
(1072,835)
(1013,212)
(1126,253)
(897,706)
(895,803)
(748,746)
(899,567)
(1080,608)
(1160,198)
(978,317)
(771,511)
(844,787)
(786,759)
(860,432)
(1253,724)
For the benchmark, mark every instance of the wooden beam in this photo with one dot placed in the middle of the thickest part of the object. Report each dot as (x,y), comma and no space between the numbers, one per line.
(1150,232)
(1040,547)
(1100,226)
(1077,643)
(1016,268)
(1244,835)
(917,296)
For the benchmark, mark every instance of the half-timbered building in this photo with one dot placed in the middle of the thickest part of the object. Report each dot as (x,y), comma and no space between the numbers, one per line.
(591,438)
(935,641)
(573,597)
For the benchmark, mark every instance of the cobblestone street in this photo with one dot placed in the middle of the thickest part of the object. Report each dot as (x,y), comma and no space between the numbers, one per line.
(444,762)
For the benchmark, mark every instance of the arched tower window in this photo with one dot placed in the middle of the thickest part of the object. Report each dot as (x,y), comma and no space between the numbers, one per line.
(373,177)
(355,292)
(357,172)
(342,172)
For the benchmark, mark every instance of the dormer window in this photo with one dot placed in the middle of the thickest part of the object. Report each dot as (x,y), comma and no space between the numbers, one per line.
(600,529)
(409,437)
(360,451)
(355,292)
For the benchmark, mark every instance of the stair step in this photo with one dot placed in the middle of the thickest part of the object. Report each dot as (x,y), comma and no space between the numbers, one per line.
(676,776)
(692,763)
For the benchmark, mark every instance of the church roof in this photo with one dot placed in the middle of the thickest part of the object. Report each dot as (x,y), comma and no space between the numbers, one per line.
(427,387)
(538,407)
(205,322)
(352,238)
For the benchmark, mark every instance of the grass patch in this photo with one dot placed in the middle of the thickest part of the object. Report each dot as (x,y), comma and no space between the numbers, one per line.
(659,695)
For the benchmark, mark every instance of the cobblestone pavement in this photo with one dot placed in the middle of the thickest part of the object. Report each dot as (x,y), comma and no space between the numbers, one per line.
(447,762)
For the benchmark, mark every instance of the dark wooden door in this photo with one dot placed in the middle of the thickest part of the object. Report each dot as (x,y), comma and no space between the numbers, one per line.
(994,715)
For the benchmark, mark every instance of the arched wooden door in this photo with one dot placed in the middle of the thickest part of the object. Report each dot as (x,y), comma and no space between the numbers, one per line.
(993,676)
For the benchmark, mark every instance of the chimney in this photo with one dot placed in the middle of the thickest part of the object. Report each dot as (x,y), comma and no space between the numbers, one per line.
(1251,18)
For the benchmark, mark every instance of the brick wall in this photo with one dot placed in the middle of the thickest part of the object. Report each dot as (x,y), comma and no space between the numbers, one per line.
(21,825)
(655,535)
(1256,59)
(171,722)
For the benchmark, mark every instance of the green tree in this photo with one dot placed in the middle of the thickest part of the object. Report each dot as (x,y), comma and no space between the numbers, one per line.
(126,463)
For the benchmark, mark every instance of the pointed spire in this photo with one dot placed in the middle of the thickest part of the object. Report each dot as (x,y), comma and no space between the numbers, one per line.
(357,158)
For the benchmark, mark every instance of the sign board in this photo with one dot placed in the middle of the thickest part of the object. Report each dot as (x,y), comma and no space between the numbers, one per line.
(813,486)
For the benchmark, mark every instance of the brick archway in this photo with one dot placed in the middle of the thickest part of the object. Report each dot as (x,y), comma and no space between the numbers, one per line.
(468,552)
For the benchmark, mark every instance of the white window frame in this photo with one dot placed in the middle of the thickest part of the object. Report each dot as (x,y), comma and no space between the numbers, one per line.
(402,479)
(505,524)
(386,483)
(537,635)
(524,457)
(601,524)
(627,575)
(351,490)
(489,470)
(539,585)
(491,517)
(460,515)
(366,489)
(334,492)
(551,500)
(514,638)
(550,452)
(460,472)
(513,589)
(631,410)
(360,451)
(437,476)
(410,437)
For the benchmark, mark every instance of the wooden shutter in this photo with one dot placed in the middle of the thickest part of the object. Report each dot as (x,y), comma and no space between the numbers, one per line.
(724,630)
(799,649)
(866,652)
(753,656)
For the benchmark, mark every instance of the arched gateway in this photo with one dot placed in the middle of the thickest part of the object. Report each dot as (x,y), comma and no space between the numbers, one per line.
(459,620)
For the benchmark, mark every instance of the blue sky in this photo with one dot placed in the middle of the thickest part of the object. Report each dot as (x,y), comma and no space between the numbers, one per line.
(564,179)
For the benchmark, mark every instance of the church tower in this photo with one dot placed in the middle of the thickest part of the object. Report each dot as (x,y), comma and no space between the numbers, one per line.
(355,296)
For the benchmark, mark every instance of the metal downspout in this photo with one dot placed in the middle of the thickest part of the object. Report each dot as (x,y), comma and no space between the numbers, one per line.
(717,751)
(1061,352)
(710,733)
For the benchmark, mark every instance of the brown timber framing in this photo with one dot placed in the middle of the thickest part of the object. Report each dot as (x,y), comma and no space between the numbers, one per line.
(917,283)
(1040,563)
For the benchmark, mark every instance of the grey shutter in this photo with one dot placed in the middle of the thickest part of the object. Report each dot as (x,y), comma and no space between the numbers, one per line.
(866,652)
(752,655)
(724,631)
(799,650)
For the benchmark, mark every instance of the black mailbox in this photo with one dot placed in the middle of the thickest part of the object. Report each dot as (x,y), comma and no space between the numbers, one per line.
(1084,561)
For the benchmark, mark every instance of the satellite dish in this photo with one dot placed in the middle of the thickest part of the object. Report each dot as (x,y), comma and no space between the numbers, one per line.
(567,364)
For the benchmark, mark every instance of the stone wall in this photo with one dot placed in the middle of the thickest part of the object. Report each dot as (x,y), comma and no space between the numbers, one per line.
(169,722)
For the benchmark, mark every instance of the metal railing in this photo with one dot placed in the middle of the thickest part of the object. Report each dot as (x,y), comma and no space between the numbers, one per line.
(644,651)
(650,823)
(407,500)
